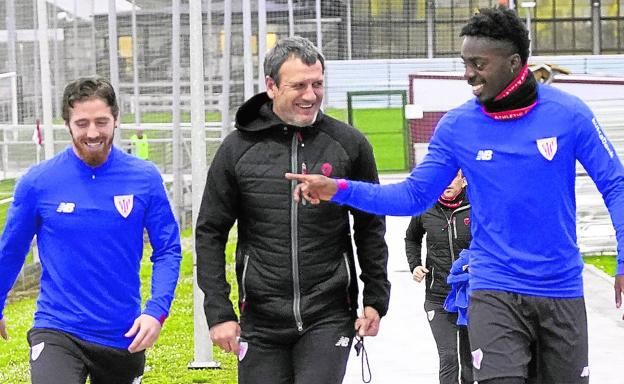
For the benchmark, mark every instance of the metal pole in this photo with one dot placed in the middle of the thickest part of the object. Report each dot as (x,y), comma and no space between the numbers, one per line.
(12,58)
(247,59)
(75,53)
(430,27)
(210,50)
(112,60)
(202,343)
(15,121)
(46,94)
(349,36)
(11,35)
(14,108)
(57,68)
(36,85)
(596,27)
(262,31)
(175,109)
(93,45)
(319,32)
(226,123)
(291,19)
(135,68)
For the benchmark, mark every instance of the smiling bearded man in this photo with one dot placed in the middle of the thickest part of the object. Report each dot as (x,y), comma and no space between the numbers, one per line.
(89,206)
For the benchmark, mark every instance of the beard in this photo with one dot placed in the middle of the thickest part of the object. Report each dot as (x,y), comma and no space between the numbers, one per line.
(93,156)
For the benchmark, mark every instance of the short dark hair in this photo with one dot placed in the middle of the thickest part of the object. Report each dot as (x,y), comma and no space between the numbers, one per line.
(500,24)
(287,47)
(88,88)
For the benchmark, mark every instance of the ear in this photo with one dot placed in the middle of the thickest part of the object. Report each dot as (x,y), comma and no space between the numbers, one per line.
(69,129)
(516,62)
(271,86)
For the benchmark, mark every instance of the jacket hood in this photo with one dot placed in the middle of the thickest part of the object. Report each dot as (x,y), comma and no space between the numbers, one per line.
(256,114)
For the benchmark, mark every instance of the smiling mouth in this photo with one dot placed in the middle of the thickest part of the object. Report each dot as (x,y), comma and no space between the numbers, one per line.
(95,145)
(477,89)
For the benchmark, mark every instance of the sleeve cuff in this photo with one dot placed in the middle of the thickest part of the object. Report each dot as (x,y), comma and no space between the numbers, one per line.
(160,316)
(343,190)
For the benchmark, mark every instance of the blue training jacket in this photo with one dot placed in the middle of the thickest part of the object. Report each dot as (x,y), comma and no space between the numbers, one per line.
(521,174)
(89,224)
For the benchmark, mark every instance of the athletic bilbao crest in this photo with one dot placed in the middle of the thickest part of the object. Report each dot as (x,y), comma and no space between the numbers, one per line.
(123,204)
(547,147)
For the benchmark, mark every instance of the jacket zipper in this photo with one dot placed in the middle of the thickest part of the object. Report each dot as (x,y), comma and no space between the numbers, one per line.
(294,235)
(432,277)
(346,259)
(452,228)
(243,279)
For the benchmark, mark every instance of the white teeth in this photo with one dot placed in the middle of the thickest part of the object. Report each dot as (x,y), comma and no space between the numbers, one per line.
(477,88)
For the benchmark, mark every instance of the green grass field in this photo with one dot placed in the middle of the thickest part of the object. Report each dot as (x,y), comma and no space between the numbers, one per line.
(6,191)
(165,117)
(604,263)
(382,127)
(167,361)
(384,130)
(157,117)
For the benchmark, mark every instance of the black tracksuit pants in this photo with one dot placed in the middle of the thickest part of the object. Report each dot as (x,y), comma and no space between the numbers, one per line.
(60,358)
(453,344)
(318,354)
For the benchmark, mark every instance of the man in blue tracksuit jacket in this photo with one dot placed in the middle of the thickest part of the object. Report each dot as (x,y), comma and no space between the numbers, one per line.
(88,206)
(517,143)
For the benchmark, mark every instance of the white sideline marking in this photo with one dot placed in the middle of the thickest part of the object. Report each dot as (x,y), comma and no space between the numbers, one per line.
(7,200)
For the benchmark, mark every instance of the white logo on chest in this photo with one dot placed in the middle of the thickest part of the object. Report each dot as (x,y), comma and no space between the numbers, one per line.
(65,207)
(547,147)
(124,203)
(485,155)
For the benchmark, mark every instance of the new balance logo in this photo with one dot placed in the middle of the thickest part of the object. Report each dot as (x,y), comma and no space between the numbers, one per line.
(343,342)
(66,208)
(485,154)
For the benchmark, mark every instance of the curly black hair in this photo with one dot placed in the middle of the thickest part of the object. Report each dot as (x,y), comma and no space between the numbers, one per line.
(500,24)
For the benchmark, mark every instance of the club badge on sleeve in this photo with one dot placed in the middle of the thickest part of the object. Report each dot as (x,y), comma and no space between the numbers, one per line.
(124,203)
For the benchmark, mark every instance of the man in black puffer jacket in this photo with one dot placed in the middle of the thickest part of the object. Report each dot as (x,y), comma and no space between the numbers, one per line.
(447,225)
(294,262)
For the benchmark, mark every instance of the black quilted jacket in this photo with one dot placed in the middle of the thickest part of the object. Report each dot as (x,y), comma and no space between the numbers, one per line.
(294,262)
